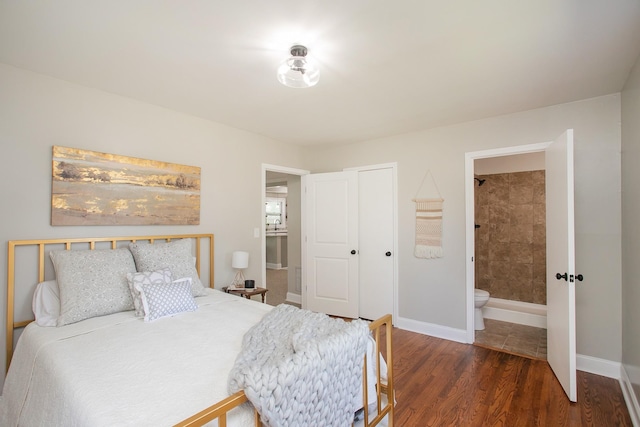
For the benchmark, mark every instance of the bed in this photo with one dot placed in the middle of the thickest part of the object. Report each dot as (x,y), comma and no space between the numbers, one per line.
(158,358)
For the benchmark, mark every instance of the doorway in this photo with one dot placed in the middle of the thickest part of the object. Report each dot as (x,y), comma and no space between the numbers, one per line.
(510,252)
(479,167)
(281,234)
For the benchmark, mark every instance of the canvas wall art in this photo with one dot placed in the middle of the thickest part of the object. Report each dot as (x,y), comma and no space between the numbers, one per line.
(92,188)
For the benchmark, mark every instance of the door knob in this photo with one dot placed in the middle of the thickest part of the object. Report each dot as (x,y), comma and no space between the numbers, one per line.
(561,276)
(353,251)
(388,253)
(579,277)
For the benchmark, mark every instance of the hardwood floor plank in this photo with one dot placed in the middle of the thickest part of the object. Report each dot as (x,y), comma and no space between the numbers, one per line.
(444,383)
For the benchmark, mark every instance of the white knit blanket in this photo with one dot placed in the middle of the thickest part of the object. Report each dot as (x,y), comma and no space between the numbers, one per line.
(301,368)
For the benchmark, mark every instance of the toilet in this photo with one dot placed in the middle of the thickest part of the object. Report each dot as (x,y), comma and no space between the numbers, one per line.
(481,298)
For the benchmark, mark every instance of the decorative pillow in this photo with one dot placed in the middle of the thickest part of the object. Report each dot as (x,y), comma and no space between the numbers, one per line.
(166,299)
(175,255)
(92,282)
(162,276)
(46,303)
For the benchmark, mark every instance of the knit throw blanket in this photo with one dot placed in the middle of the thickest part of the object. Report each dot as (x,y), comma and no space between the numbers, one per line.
(428,228)
(300,368)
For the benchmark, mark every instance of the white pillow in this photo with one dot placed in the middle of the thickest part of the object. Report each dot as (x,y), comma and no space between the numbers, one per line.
(46,303)
(92,282)
(166,299)
(162,276)
(176,255)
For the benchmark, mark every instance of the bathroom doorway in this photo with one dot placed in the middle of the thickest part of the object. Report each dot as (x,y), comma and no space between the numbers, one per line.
(281,243)
(510,252)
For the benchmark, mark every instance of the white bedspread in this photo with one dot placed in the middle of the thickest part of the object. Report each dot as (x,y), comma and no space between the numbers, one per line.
(130,373)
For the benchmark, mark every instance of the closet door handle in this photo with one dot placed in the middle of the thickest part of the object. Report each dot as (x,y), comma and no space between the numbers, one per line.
(561,276)
(353,251)
(388,253)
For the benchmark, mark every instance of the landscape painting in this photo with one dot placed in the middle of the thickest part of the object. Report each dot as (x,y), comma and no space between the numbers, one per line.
(92,188)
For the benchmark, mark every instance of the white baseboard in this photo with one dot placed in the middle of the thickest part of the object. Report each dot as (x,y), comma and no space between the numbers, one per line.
(602,367)
(294,298)
(629,397)
(438,331)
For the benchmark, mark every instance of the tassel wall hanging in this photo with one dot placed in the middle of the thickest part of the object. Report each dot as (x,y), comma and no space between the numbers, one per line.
(428,224)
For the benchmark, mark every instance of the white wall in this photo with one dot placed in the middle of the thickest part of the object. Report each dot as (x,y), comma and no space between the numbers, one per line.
(433,291)
(631,228)
(37,112)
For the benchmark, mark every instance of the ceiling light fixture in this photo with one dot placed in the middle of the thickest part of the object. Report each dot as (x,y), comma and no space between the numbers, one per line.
(297,71)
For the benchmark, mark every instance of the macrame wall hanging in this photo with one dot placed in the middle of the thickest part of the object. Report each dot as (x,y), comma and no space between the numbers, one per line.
(428,223)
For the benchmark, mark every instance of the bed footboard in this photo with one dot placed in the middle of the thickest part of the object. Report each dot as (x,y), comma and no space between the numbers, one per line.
(381,330)
(219,412)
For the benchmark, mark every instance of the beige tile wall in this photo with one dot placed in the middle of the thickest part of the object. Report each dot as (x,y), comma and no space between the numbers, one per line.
(510,243)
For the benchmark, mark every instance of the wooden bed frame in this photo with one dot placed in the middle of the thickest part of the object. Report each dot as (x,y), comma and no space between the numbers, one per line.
(381,328)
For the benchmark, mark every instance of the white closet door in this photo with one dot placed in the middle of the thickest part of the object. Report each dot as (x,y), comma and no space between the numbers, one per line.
(376,242)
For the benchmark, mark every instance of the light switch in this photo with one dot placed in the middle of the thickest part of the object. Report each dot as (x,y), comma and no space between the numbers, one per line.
(256,232)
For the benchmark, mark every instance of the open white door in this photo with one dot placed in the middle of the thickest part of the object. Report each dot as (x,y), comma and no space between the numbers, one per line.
(331,201)
(561,305)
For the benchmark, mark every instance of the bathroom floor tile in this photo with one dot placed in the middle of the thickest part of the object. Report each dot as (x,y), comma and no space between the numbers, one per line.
(525,340)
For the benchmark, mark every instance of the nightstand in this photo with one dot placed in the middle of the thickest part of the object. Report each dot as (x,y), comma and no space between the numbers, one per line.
(247,293)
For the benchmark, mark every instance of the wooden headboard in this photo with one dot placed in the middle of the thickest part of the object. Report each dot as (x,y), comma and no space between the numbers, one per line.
(39,266)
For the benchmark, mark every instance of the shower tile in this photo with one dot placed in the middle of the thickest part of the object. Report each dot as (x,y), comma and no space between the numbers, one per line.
(499,269)
(539,195)
(500,288)
(521,233)
(520,178)
(521,214)
(540,236)
(482,214)
(499,214)
(521,272)
(499,251)
(501,232)
(538,177)
(539,213)
(483,270)
(539,270)
(540,292)
(520,194)
(524,292)
(483,284)
(513,206)
(498,180)
(499,195)
(521,253)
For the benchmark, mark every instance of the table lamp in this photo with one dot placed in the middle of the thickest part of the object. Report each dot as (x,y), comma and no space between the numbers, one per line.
(239,261)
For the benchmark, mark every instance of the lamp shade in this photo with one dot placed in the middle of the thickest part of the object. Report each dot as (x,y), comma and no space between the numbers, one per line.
(240,259)
(297,71)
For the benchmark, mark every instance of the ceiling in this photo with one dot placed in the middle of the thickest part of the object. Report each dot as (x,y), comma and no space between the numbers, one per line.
(387,67)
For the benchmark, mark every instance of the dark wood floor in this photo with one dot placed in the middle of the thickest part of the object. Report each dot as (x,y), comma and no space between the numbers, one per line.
(444,383)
